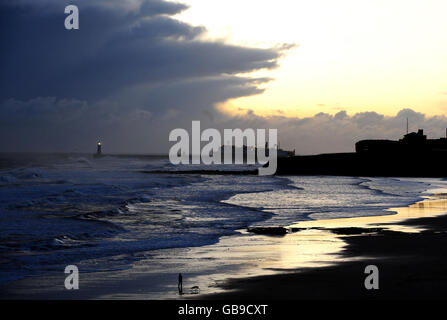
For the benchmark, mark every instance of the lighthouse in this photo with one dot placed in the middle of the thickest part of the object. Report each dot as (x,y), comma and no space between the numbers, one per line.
(98,149)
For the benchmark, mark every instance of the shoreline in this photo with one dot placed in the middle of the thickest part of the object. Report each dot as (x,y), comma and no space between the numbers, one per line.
(319,257)
(409,248)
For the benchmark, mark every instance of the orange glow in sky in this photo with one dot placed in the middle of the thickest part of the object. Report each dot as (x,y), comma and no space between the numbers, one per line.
(353,55)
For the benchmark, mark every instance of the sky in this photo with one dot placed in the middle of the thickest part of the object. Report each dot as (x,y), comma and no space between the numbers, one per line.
(353,55)
(324,73)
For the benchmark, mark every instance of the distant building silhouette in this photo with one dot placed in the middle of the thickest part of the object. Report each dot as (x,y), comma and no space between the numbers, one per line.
(280,153)
(411,142)
(412,156)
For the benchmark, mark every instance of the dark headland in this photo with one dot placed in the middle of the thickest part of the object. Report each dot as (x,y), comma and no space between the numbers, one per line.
(412,156)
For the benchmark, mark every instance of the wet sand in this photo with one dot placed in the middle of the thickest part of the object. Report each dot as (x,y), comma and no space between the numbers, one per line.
(321,259)
(409,248)
(155,276)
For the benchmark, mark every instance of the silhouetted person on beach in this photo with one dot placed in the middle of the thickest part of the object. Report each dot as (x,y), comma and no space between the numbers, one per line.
(180,283)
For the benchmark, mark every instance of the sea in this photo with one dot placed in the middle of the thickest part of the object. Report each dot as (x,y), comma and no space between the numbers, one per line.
(63,209)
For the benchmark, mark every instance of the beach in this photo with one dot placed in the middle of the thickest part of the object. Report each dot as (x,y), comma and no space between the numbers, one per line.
(316,259)
(132,224)
(409,249)
(191,150)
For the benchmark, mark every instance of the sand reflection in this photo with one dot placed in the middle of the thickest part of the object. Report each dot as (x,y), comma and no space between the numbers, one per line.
(430,207)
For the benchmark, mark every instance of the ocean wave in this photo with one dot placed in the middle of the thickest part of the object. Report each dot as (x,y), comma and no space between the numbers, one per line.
(16,175)
(107,213)
(326,197)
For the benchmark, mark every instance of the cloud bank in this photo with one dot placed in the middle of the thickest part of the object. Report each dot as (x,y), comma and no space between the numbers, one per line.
(324,133)
(132,73)
(129,61)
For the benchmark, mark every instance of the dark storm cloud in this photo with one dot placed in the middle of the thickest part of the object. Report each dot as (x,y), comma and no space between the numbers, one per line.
(195,94)
(114,48)
(131,72)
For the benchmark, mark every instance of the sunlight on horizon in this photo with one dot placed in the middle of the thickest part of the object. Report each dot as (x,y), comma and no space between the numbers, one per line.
(352,55)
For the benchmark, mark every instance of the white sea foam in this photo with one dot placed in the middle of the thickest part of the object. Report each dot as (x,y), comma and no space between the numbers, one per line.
(78,209)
